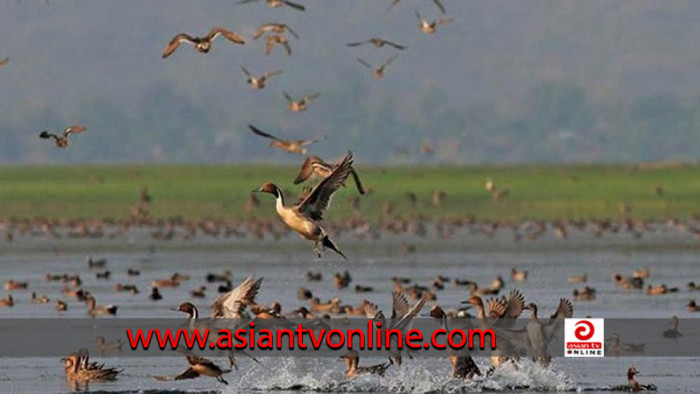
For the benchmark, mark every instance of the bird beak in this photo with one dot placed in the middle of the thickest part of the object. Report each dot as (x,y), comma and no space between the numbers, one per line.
(256,190)
(176,309)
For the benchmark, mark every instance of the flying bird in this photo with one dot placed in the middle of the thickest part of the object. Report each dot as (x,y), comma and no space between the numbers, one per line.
(315,165)
(429,27)
(291,146)
(299,105)
(277,28)
(377,42)
(259,82)
(199,366)
(273,40)
(378,72)
(437,3)
(278,4)
(306,215)
(61,141)
(202,44)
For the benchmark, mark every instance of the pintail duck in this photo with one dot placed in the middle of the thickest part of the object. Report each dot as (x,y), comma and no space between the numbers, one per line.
(628,283)
(99,310)
(39,300)
(259,82)
(301,104)
(587,294)
(314,276)
(199,366)
(273,40)
(692,306)
(379,71)
(79,294)
(617,347)
(103,274)
(61,305)
(95,263)
(672,331)
(277,4)
(120,287)
(474,289)
(352,367)
(173,281)
(291,146)
(14,285)
(315,165)
(155,294)
(578,278)
(429,27)
(103,345)
(214,277)
(78,368)
(377,42)
(8,302)
(61,141)
(632,384)
(332,306)
(276,28)
(199,292)
(202,44)
(518,276)
(538,334)
(306,215)
(660,290)
(643,273)
(463,366)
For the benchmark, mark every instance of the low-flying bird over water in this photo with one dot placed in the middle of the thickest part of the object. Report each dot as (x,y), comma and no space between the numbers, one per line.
(277,28)
(315,165)
(259,82)
(277,4)
(301,104)
(378,72)
(291,146)
(61,141)
(429,27)
(202,44)
(199,366)
(272,41)
(306,215)
(377,42)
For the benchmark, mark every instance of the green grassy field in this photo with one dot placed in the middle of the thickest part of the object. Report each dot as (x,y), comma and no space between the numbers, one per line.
(221,191)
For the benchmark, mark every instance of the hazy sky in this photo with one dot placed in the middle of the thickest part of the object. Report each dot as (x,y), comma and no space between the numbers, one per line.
(72,60)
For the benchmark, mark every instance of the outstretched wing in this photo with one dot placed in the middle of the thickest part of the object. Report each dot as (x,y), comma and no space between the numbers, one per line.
(372,311)
(292,32)
(73,130)
(556,321)
(439,5)
(287,47)
(364,63)
(189,373)
(399,306)
(357,44)
(288,97)
(229,35)
(245,71)
(395,45)
(307,169)
(312,97)
(319,199)
(273,73)
(48,134)
(390,60)
(233,303)
(356,177)
(175,42)
(295,5)
(444,21)
(262,133)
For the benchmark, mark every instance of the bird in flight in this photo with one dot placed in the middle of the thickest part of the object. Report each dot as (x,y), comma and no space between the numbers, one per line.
(429,27)
(275,39)
(378,72)
(259,82)
(202,44)
(61,141)
(315,165)
(437,3)
(278,4)
(291,146)
(377,42)
(299,105)
(277,28)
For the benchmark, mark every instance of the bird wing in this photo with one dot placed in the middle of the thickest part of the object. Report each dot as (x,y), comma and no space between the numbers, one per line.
(47,134)
(175,42)
(357,44)
(245,71)
(295,5)
(497,307)
(390,60)
(399,306)
(364,63)
(73,130)
(269,45)
(393,3)
(229,35)
(556,321)
(292,32)
(273,73)
(309,142)
(444,21)
(288,97)
(306,170)
(358,184)
(402,321)
(372,311)
(233,303)
(246,1)
(287,47)
(319,199)
(262,133)
(312,97)
(189,373)
(395,45)
(419,17)
(439,5)
(305,191)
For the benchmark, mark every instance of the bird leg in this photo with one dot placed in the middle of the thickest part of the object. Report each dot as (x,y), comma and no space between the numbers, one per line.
(317,250)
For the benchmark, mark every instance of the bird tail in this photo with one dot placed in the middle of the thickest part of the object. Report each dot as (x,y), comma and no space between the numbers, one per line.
(329,244)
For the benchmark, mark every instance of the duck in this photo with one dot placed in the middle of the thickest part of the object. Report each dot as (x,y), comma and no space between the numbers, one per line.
(377,42)
(314,276)
(291,146)
(95,263)
(259,82)
(61,141)
(617,347)
(352,367)
(103,345)
(691,306)
(133,272)
(99,310)
(169,282)
(199,366)
(14,285)
(278,4)
(363,289)
(306,215)
(201,44)
(692,286)
(214,277)
(587,294)
(332,306)
(120,287)
(103,275)
(578,278)
(643,273)
(61,306)
(430,27)
(660,290)
(8,302)
(39,299)
(628,283)
(672,331)
(301,104)
(632,384)
(79,294)
(304,294)
(315,165)
(538,334)
(78,368)
(518,276)
(275,39)
(379,71)
(342,280)
(199,292)
(276,28)
(155,294)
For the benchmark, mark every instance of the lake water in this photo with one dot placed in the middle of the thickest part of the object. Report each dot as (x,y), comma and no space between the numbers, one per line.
(671,256)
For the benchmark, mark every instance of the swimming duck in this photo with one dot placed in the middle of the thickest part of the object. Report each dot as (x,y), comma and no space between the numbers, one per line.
(214,277)
(61,141)
(363,289)
(377,42)
(587,294)
(643,273)
(429,27)
(259,82)
(315,165)
(78,368)
(169,282)
(672,331)
(617,347)
(202,44)
(314,276)
(39,300)
(120,287)
(95,263)
(61,306)
(199,366)
(133,272)
(305,217)
(103,275)
(692,307)
(332,306)
(304,294)
(8,302)
(199,292)
(342,280)
(277,4)
(14,285)
(301,104)
(352,368)
(692,286)
(99,310)
(577,278)
(632,384)
(276,28)
(103,345)
(628,283)
(273,40)
(291,146)
(518,276)
(155,294)
(660,290)
(379,71)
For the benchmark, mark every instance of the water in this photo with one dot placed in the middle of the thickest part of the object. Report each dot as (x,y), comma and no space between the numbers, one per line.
(670,255)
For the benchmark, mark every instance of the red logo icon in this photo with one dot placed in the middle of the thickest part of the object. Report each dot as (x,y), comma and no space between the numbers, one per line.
(584,330)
